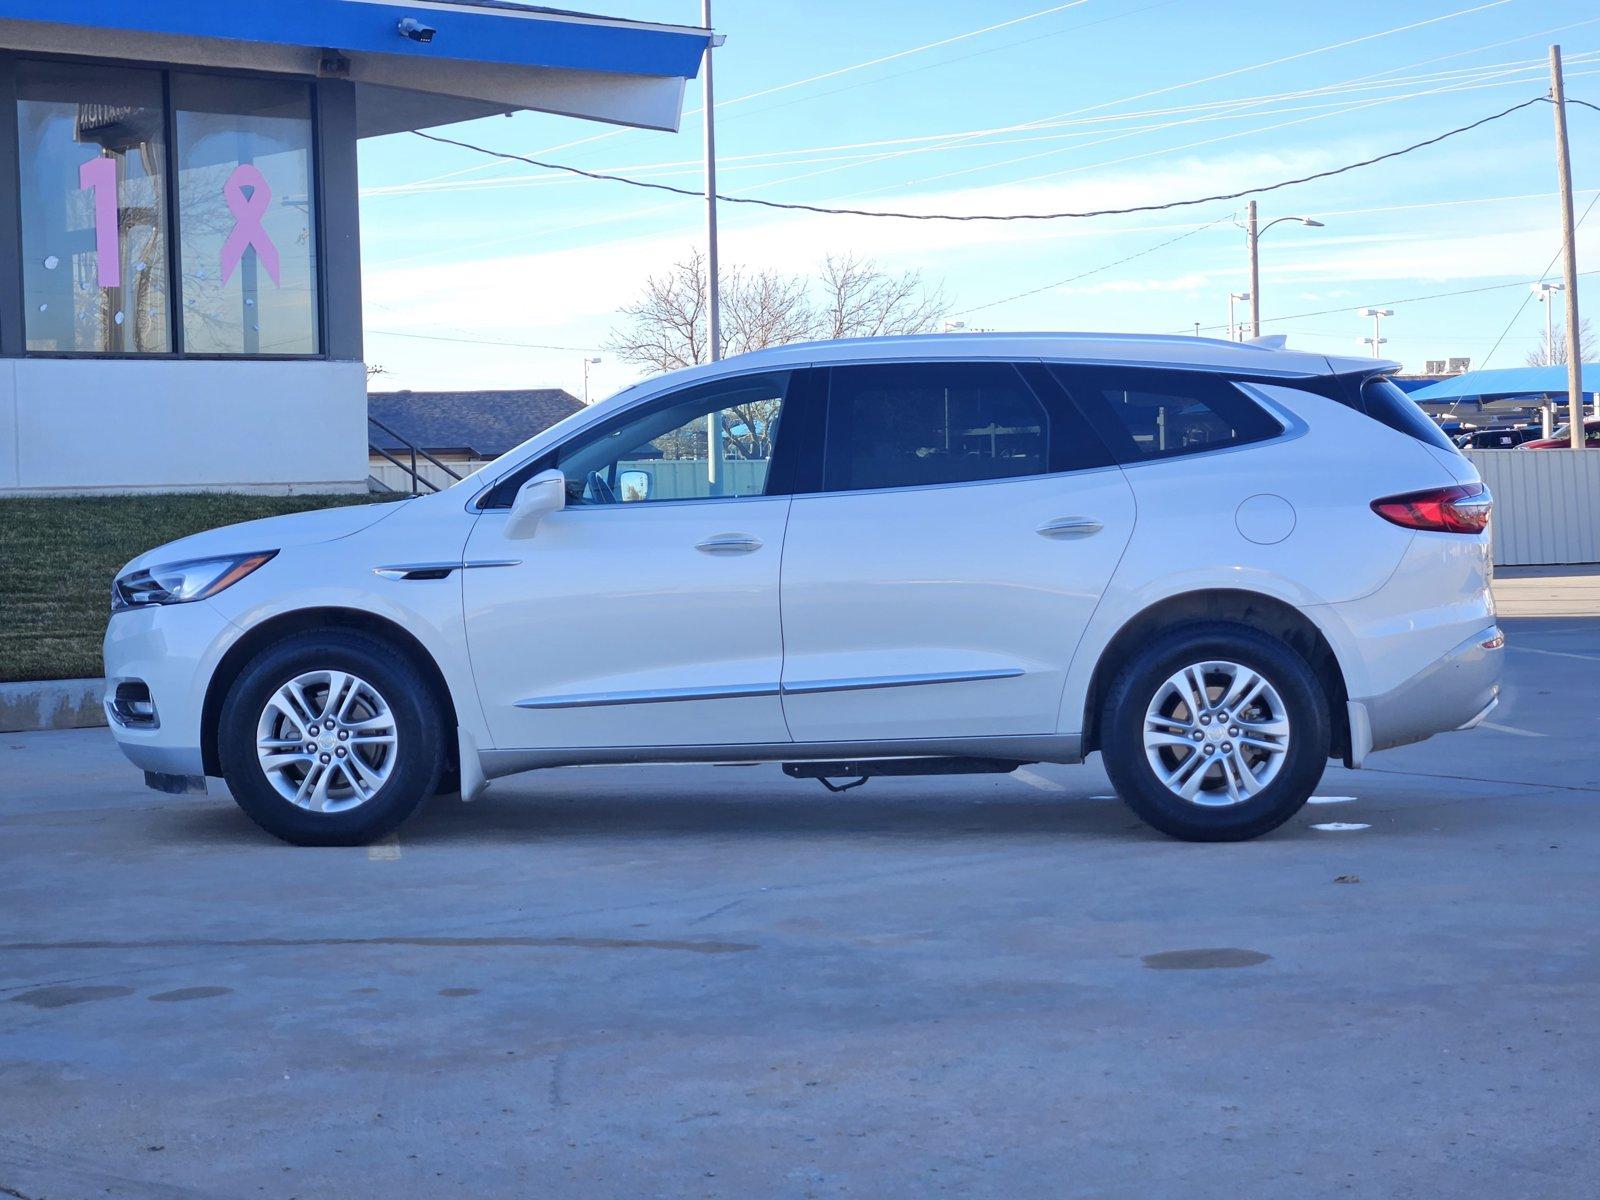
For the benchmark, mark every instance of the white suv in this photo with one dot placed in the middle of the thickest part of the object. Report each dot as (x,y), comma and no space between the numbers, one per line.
(1217,564)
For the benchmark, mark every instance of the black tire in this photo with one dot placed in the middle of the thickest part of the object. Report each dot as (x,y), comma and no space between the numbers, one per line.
(1122,726)
(418,725)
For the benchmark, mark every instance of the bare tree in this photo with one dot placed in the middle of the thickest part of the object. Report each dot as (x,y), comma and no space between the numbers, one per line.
(666,327)
(1555,354)
(858,300)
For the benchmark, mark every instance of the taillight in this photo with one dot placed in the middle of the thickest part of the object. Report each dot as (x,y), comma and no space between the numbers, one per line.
(1463,508)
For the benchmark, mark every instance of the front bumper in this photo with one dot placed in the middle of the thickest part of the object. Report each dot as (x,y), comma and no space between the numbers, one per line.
(1457,691)
(172,649)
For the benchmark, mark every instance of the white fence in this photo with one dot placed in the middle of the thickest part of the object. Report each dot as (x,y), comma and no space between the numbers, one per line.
(398,479)
(1546,504)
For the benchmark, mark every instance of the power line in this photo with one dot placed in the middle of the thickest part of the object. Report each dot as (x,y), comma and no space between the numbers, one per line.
(1094,270)
(1053,216)
(957,140)
(1345,308)
(784,87)
(1526,300)
(812,155)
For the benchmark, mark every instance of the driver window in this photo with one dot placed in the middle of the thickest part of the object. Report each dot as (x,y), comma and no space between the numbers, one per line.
(713,441)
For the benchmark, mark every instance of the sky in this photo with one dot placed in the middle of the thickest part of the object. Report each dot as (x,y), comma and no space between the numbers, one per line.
(483,274)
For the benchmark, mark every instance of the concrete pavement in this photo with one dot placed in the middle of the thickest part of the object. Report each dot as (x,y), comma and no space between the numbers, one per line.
(718,982)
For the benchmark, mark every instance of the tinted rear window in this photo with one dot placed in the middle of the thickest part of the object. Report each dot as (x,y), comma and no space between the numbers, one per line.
(1386,402)
(1147,413)
(923,424)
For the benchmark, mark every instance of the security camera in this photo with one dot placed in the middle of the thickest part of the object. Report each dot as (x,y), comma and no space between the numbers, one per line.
(415,30)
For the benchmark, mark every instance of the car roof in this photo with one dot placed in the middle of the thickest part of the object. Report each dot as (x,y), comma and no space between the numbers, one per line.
(1131,349)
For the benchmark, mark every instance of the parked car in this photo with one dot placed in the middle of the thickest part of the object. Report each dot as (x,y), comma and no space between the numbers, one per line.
(1217,565)
(1561,438)
(1508,438)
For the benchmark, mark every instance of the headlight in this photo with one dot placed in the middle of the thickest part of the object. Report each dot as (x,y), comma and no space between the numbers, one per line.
(181,582)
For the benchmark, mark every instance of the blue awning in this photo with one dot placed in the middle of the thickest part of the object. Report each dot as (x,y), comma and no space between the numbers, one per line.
(486,56)
(1512,381)
(467,30)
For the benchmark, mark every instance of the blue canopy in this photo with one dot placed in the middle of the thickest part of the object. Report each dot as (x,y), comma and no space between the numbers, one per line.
(1512,381)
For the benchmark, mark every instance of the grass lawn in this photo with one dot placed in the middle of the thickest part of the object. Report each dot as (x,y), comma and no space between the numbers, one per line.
(58,557)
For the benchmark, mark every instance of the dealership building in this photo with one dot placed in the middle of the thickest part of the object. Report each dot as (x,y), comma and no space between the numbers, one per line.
(180,267)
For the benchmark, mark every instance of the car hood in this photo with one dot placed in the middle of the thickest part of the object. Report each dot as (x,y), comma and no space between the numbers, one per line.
(270,533)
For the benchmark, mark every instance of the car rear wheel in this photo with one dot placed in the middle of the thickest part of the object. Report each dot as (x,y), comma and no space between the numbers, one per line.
(330,739)
(1215,732)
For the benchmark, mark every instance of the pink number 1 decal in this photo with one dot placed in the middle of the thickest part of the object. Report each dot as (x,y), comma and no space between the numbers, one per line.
(99,175)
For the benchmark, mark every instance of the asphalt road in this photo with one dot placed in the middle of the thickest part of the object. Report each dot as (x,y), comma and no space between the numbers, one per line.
(719,982)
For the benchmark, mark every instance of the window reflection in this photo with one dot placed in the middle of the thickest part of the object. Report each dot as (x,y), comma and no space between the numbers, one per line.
(247,241)
(92,155)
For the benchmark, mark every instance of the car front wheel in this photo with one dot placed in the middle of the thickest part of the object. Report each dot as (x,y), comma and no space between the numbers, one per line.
(330,739)
(1215,733)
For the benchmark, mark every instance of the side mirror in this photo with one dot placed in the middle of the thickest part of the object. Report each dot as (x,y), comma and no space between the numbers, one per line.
(633,485)
(542,495)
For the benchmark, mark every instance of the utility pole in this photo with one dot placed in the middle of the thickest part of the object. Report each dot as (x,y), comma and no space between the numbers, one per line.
(1569,254)
(1255,269)
(1376,340)
(713,280)
(1253,233)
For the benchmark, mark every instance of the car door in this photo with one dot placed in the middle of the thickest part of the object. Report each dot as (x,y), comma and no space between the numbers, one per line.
(967,522)
(644,613)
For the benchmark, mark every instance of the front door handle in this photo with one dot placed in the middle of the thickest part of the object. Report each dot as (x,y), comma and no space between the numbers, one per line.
(1070,527)
(729,543)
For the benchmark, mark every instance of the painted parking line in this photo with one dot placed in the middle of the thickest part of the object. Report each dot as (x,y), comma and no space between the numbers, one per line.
(1330,800)
(1341,826)
(1554,653)
(387,850)
(1023,775)
(1498,728)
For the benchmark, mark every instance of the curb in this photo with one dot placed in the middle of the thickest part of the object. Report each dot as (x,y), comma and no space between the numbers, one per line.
(52,704)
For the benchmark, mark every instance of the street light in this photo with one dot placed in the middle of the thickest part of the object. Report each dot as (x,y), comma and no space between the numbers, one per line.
(586,363)
(1253,235)
(1233,329)
(1546,293)
(1377,339)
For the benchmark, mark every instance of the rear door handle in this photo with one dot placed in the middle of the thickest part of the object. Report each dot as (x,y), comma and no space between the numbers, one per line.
(729,543)
(1070,527)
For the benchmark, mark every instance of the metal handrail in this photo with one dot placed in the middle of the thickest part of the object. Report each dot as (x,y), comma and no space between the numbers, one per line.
(416,476)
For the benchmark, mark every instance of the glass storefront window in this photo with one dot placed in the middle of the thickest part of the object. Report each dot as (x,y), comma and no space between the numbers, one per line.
(92,154)
(246,225)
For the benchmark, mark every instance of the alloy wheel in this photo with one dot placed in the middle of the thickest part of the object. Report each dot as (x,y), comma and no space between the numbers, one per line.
(1216,733)
(326,741)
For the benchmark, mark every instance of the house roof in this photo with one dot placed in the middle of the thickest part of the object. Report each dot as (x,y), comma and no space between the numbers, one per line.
(482,424)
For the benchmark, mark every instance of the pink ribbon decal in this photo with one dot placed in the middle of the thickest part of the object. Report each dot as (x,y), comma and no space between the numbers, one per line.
(247,213)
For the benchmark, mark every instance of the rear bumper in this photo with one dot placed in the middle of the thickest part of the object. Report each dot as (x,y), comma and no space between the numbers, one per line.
(1456,691)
